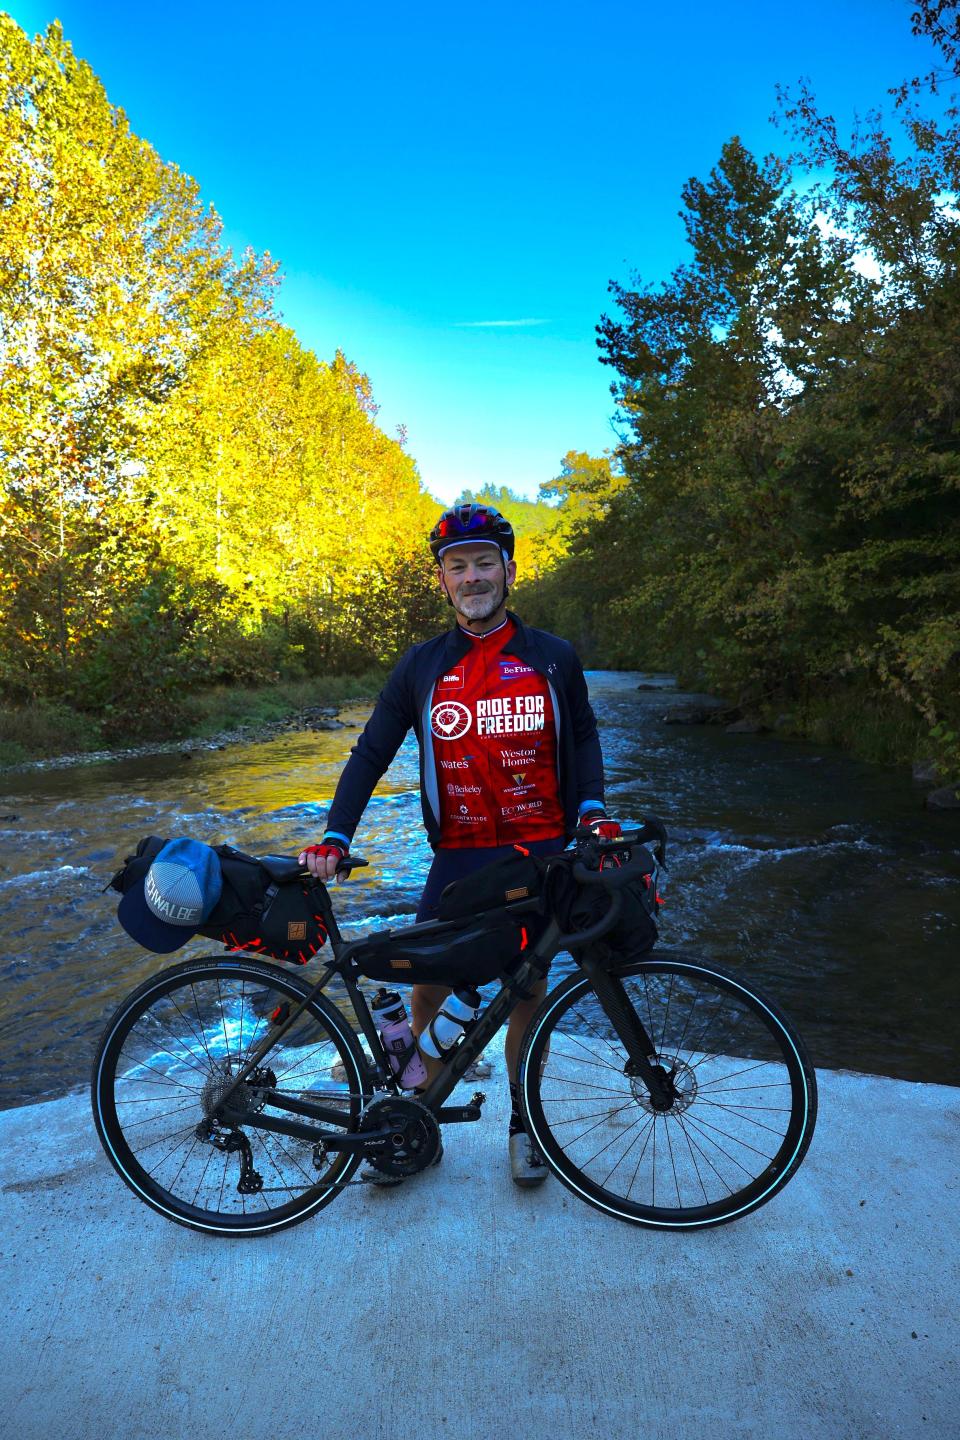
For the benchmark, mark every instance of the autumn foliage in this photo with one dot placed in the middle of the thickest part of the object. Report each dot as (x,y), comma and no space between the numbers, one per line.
(188,494)
(788,532)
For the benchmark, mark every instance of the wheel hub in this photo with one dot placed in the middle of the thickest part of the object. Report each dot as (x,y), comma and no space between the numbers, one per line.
(414,1139)
(684,1083)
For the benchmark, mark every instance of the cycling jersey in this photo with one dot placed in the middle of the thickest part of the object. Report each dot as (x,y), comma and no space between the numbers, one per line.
(494,735)
(407,701)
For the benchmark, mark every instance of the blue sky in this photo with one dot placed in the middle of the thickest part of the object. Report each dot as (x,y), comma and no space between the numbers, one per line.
(450,188)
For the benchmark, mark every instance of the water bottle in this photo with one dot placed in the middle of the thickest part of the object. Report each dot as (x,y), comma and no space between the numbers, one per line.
(390,1018)
(457,1012)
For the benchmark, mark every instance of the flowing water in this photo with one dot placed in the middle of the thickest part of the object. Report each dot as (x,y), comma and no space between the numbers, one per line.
(818,876)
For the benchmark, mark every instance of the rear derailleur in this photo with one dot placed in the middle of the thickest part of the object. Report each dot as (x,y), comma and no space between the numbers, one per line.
(233,1142)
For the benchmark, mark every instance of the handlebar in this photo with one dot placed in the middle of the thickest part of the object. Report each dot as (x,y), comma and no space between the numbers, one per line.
(590,849)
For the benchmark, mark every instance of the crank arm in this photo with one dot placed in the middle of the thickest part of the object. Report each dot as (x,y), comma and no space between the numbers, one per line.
(454,1114)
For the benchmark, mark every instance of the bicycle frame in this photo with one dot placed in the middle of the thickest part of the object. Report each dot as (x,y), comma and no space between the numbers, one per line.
(592,959)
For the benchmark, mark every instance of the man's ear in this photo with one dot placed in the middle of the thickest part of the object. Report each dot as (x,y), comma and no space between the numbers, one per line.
(511,572)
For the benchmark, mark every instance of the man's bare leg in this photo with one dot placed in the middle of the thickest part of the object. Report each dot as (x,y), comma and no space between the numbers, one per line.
(427,999)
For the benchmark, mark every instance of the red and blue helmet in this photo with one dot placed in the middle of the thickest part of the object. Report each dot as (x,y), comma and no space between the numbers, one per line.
(471,524)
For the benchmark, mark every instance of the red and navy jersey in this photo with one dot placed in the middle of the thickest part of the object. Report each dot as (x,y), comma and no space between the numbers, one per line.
(494,739)
(407,702)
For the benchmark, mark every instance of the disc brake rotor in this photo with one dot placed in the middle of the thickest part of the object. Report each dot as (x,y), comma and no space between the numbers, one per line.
(684,1082)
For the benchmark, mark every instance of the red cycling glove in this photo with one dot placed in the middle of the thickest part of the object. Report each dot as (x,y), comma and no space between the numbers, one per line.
(603,828)
(323,852)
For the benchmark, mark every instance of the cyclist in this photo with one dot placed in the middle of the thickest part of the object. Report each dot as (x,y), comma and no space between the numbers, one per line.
(509,752)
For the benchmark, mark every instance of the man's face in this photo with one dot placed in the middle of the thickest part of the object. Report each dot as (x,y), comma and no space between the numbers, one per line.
(474,578)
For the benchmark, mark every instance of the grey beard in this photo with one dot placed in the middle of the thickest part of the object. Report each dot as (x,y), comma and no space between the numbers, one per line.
(480,607)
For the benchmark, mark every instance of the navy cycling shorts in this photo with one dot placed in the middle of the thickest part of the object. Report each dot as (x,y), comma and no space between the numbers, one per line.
(451,865)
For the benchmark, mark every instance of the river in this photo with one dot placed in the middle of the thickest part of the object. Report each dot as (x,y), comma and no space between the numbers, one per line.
(821,877)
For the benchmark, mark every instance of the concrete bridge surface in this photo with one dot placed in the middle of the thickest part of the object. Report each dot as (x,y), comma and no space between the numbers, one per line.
(457,1305)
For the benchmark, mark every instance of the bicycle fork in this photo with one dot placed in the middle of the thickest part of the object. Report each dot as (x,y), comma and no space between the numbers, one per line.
(641,1051)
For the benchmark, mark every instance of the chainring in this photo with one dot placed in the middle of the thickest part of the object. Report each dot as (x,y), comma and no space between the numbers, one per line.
(414,1141)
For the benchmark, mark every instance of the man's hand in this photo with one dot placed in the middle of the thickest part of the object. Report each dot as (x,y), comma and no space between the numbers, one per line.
(603,828)
(322,860)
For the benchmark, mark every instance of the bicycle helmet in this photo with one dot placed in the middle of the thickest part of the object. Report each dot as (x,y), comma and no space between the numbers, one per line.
(463,524)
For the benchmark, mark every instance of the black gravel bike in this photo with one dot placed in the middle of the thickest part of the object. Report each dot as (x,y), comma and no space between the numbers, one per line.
(234,1097)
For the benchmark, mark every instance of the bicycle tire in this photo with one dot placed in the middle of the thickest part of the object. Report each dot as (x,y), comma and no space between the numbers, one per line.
(172,1038)
(572,1061)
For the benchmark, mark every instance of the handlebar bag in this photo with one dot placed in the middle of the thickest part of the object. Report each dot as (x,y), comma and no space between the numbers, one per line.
(579,906)
(255,912)
(471,954)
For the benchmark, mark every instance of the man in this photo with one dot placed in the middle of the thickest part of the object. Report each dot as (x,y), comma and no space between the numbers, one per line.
(509,751)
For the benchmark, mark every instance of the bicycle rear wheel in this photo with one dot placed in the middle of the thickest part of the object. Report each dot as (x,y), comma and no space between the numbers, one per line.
(167,1055)
(741,1123)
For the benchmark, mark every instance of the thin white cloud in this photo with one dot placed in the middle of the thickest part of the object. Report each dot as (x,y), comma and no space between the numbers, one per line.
(496,324)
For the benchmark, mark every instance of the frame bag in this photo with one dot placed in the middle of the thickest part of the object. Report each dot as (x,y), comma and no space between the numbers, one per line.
(509,878)
(467,954)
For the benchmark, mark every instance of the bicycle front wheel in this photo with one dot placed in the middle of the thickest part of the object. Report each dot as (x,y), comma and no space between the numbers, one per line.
(170,1052)
(742,1119)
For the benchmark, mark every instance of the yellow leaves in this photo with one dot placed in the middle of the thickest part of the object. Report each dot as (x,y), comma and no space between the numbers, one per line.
(157,421)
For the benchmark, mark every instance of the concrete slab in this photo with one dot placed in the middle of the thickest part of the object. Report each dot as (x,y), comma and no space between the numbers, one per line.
(457,1304)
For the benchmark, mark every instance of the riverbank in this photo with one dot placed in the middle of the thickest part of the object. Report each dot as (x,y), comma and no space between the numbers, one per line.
(33,736)
(458,1304)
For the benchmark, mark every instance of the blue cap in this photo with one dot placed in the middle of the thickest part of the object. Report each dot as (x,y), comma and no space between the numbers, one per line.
(181,888)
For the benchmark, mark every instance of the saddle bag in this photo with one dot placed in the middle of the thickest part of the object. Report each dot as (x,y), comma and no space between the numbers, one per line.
(259,912)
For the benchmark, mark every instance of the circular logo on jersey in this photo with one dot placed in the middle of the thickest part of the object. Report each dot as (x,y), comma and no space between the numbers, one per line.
(449,720)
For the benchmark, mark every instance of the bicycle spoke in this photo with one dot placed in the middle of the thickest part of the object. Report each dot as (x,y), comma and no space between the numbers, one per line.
(612,1141)
(187,1130)
(639,1135)
(150,1119)
(165,1080)
(606,1115)
(557,1053)
(584,1019)
(575,1119)
(594,1057)
(311,1180)
(203,1175)
(705,1126)
(603,1089)
(651,1130)
(730,1111)
(683,1131)
(223,1022)
(203,1039)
